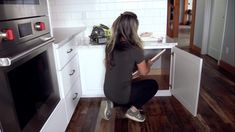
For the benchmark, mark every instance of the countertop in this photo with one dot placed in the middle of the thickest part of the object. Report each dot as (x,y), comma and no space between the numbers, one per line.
(64,34)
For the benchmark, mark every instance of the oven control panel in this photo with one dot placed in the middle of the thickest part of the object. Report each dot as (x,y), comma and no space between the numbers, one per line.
(15,32)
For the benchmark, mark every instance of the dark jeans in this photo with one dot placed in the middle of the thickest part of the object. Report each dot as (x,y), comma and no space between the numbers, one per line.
(141,92)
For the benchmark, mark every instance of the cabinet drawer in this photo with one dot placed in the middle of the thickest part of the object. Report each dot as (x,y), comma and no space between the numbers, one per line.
(72,99)
(70,74)
(65,53)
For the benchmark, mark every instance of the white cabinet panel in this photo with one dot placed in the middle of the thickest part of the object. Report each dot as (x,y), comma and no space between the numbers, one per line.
(65,53)
(186,79)
(72,99)
(92,70)
(57,122)
(69,74)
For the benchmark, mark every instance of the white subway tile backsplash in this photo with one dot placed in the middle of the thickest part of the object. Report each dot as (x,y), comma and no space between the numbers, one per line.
(69,13)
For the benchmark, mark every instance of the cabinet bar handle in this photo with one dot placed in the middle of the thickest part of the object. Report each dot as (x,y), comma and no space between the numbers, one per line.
(76,95)
(73,71)
(70,51)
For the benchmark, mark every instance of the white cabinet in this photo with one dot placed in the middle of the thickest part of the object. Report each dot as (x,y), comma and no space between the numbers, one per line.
(72,99)
(184,80)
(91,61)
(68,75)
(65,53)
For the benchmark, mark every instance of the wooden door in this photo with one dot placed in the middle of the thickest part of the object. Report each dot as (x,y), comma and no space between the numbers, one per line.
(186,77)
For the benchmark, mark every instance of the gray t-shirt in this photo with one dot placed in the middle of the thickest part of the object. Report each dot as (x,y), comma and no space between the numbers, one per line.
(117,84)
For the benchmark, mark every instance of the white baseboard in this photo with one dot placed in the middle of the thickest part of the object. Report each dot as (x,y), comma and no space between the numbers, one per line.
(163,93)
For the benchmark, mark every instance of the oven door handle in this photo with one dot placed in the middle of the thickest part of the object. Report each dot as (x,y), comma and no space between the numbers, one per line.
(9,60)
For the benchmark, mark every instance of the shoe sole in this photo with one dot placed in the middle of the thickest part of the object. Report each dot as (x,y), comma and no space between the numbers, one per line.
(103,110)
(134,119)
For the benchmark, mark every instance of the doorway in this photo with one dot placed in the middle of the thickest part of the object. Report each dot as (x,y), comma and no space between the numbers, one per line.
(180,21)
(185,21)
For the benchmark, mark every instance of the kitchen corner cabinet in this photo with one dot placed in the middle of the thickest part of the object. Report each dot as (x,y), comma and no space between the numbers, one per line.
(184,71)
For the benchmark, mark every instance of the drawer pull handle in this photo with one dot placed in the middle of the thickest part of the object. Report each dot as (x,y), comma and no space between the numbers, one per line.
(76,95)
(70,51)
(73,71)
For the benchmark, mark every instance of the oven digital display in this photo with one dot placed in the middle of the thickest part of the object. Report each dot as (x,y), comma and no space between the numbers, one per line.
(25,29)
(22,2)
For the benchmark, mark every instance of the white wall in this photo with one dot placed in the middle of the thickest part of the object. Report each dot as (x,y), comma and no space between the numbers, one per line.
(228,49)
(199,21)
(152,14)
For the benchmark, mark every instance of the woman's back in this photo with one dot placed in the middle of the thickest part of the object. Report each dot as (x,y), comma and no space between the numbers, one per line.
(118,77)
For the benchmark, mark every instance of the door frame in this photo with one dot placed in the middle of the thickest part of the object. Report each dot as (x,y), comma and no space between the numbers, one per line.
(185,9)
(192,27)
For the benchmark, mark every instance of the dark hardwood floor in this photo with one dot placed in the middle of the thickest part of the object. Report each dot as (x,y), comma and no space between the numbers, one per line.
(216,109)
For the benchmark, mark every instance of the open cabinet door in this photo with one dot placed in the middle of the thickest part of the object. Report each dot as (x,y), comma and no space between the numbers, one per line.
(186,77)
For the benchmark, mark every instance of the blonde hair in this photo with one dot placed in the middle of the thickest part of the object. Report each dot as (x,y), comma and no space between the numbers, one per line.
(124,28)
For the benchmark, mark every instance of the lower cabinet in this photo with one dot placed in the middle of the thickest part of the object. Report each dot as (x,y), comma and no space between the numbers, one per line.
(61,116)
(57,122)
(72,98)
(92,70)
(68,76)
(183,71)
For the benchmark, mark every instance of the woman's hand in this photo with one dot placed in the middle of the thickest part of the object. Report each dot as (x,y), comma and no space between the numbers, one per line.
(150,63)
(143,68)
(135,75)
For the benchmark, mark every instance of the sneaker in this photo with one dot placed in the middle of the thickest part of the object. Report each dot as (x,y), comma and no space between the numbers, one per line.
(136,116)
(106,107)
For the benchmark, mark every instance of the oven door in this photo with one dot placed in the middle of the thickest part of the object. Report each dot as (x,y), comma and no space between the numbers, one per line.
(28,89)
(14,9)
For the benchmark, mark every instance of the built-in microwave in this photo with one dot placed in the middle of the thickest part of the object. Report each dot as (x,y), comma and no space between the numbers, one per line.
(18,9)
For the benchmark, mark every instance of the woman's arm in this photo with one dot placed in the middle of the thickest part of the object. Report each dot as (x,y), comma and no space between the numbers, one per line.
(144,67)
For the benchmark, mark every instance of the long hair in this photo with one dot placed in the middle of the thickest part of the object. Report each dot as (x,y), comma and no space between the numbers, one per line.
(124,28)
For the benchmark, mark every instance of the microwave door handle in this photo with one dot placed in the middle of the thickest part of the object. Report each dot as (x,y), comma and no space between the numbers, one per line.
(7,61)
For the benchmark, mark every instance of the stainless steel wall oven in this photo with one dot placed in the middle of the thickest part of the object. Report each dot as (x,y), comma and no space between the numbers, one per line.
(28,85)
(14,9)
